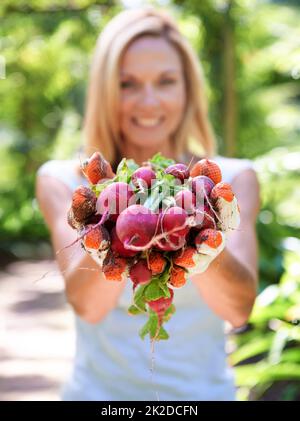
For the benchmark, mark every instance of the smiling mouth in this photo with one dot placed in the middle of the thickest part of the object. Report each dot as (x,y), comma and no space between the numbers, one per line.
(147,123)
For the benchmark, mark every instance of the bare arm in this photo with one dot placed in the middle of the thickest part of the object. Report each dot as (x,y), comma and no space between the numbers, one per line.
(89,293)
(229,284)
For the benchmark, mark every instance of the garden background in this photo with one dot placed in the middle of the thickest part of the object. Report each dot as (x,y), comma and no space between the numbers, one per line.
(250,51)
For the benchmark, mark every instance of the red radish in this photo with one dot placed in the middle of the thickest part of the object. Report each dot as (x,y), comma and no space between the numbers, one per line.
(136,226)
(179,171)
(186,200)
(204,217)
(201,187)
(118,247)
(114,198)
(175,217)
(139,273)
(143,177)
(160,305)
(170,243)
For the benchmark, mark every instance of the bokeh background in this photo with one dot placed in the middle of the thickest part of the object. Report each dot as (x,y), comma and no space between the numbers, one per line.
(250,51)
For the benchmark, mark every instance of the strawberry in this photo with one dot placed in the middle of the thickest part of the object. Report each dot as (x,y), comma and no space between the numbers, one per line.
(83,203)
(208,168)
(204,217)
(96,168)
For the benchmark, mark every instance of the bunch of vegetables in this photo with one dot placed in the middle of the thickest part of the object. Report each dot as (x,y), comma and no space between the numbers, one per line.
(153,224)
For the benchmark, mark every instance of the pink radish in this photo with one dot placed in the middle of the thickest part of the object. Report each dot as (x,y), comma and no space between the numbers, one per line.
(139,273)
(118,247)
(136,226)
(201,187)
(160,305)
(204,217)
(114,199)
(143,177)
(170,243)
(179,171)
(173,218)
(186,200)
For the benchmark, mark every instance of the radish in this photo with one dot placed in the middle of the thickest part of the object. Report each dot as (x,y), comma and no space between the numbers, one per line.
(143,177)
(160,305)
(204,217)
(172,218)
(118,247)
(186,200)
(114,199)
(136,226)
(170,242)
(201,187)
(139,273)
(179,171)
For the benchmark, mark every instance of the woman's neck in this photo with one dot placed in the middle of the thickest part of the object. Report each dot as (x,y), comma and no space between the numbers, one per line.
(141,155)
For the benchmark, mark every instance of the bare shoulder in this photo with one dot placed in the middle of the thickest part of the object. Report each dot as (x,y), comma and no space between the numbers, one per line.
(247,190)
(53,196)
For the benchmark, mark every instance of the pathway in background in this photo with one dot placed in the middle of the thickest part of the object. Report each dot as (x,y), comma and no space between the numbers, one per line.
(36,332)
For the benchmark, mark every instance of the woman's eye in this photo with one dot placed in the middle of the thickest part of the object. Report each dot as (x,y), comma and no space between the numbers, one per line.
(167,81)
(126,84)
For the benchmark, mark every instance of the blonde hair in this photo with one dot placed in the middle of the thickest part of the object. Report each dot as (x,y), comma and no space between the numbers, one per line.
(101,126)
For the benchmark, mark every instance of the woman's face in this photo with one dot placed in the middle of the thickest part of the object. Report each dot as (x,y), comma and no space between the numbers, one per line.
(153,92)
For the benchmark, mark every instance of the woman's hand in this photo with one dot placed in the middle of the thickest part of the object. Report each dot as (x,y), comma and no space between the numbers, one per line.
(91,296)
(229,284)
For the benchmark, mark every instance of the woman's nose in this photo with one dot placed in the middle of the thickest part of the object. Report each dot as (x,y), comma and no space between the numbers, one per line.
(149,96)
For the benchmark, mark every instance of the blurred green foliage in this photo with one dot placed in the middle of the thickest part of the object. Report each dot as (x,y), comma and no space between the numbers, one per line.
(254,95)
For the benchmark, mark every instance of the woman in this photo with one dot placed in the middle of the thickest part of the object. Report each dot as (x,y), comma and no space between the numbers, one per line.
(146,95)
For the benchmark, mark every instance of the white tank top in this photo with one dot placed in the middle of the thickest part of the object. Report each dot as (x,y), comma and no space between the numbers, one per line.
(113,363)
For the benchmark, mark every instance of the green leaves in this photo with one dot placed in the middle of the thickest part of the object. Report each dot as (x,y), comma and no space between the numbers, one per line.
(155,290)
(139,298)
(125,170)
(98,188)
(153,329)
(160,162)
